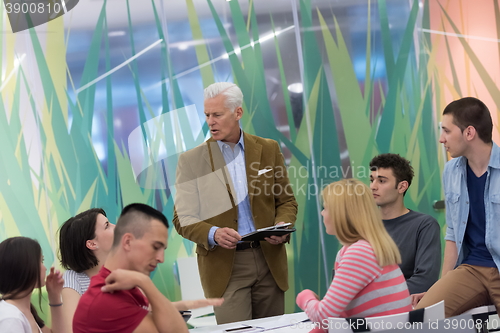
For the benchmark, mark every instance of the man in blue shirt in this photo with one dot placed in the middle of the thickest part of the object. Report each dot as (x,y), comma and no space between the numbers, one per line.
(231,185)
(469,277)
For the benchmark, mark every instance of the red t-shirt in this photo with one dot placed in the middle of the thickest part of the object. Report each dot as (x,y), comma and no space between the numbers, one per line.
(99,312)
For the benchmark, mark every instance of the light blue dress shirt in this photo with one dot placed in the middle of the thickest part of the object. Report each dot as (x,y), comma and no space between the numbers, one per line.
(235,162)
(457,204)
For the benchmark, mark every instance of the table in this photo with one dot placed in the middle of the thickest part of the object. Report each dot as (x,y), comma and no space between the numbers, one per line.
(291,323)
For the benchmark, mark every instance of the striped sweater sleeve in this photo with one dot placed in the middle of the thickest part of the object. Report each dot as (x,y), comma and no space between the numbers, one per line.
(356,269)
(77,281)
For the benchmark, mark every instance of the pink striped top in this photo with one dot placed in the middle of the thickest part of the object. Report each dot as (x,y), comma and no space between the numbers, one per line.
(360,288)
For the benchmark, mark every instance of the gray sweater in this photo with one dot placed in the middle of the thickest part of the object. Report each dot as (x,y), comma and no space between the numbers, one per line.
(418,238)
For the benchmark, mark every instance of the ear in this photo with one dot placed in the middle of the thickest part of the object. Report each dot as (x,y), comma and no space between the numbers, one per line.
(403,186)
(239,112)
(127,241)
(91,245)
(470,132)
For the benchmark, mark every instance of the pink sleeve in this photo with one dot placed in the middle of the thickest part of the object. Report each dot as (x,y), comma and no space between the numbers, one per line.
(357,269)
(305,296)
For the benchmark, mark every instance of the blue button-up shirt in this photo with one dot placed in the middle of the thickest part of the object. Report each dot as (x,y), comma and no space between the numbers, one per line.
(235,162)
(458,206)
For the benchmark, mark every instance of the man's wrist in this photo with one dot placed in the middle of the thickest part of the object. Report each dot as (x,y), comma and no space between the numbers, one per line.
(144,281)
(214,237)
(211,236)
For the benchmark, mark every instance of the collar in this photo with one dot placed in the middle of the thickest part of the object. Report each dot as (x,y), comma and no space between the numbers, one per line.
(241,142)
(494,158)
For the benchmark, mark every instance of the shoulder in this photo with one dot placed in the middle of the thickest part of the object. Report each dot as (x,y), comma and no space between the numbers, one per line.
(101,299)
(360,249)
(12,319)
(423,219)
(97,281)
(196,151)
(9,311)
(77,281)
(124,308)
(260,140)
(360,257)
(495,158)
(95,302)
(71,274)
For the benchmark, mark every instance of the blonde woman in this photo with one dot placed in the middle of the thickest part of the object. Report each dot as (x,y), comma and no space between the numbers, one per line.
(367,281)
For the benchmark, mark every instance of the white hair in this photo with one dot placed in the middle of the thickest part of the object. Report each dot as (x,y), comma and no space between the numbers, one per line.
(234,96)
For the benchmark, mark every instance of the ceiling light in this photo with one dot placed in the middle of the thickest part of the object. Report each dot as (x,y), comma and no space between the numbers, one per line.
(296,88)
(116,33)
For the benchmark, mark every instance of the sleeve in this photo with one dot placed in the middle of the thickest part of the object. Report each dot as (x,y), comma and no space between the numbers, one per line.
(285,203)
(70,280)
(357,268)
(127,313)
(450,234)
(11,325)
(427,257)
(211,236)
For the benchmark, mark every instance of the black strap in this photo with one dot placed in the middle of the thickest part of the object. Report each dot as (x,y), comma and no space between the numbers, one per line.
(416,316)
(483,317)
(358,324)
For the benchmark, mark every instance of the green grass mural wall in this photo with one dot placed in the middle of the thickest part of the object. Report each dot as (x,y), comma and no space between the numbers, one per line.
(376,116)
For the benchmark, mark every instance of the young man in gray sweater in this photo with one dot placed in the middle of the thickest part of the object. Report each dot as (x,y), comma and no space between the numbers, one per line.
(417,235)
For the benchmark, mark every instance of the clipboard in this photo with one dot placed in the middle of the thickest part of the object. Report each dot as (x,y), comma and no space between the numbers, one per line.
(260,234)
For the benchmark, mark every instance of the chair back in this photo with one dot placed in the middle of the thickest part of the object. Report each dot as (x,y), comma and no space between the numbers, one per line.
(434,312)
(488,314)
(191,289)
(402,320)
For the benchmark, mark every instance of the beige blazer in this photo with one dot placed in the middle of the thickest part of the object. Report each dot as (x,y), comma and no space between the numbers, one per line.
(204,198)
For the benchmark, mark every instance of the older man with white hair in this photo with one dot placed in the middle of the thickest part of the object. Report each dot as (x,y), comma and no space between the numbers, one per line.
(231,185)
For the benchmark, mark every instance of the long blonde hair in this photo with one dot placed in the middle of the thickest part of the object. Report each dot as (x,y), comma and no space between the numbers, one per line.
(355,216)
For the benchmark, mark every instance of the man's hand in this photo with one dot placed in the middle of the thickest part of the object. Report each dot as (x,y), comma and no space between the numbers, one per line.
(227,238)
(275,240)
(415,298)
(198,303)
(122,279)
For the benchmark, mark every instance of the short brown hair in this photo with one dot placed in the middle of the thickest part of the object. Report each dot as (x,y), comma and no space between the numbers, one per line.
(135,219)
(470,111)
(400,166)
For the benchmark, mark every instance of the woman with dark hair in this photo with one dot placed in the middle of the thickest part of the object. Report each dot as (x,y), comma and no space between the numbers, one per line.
(20,275)
(84,241)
